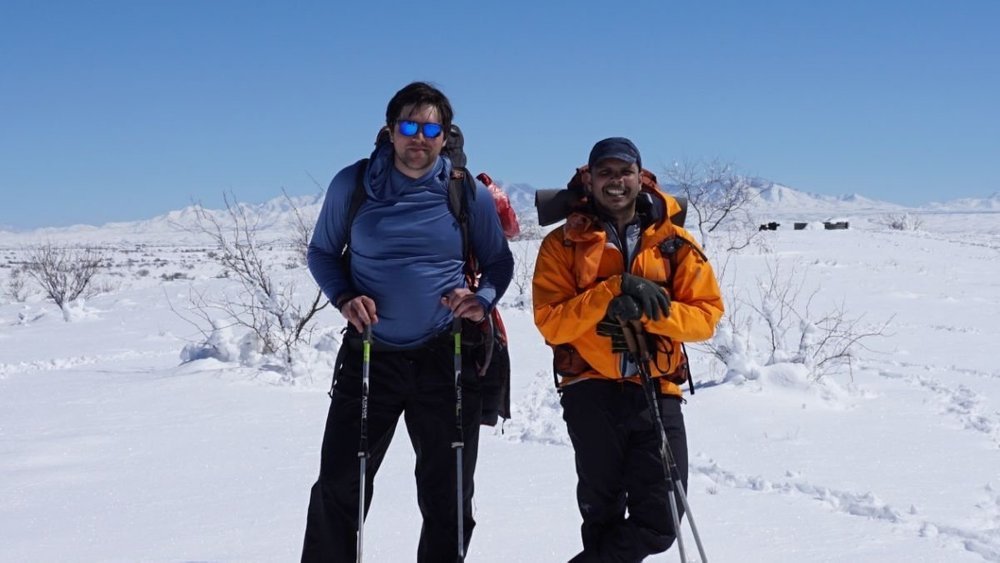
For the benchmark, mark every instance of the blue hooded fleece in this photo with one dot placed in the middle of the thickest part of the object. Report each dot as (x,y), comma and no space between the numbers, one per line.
(406,247)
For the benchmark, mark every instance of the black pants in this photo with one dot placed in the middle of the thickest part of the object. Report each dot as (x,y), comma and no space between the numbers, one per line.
(619,469)
(420,385)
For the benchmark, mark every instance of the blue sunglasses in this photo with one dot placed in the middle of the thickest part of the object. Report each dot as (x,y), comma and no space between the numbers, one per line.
(410,128)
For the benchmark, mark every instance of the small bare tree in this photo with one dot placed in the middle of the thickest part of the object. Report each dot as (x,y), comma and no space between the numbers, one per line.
(794,334)
(716,195)
(268,308)
(64,274)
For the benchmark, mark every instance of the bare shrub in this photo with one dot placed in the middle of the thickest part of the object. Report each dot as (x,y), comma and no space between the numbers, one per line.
(900,221)
(530,229)
(302,228)
(525,252)
(268,308)
(793,333)
(717,195)
(64,274)
(17,288)
(176,276)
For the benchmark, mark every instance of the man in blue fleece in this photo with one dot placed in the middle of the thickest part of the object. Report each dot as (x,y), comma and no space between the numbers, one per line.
(406,281)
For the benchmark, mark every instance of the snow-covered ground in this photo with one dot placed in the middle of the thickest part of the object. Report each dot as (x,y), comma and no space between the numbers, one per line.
(111,449)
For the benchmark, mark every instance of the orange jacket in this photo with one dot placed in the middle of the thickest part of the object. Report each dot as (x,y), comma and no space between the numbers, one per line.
(578,273)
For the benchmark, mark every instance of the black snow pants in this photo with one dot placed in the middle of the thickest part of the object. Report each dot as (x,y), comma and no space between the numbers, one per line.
(420,385)
(621,489)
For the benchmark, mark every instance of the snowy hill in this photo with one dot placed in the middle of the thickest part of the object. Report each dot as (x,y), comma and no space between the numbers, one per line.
(783,198)
(771,199)
(522,197)
(273,217)
(991,203)
(777,201)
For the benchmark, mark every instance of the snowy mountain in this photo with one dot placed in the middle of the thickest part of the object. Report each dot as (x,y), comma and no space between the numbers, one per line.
(273,219)
(775,198)
(522,197)
(991,203)
(773,194)
(771,198)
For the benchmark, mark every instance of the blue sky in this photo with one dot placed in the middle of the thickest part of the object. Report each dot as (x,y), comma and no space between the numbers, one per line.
(123,110)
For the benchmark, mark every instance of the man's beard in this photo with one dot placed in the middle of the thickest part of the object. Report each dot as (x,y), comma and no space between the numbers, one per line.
(417,160)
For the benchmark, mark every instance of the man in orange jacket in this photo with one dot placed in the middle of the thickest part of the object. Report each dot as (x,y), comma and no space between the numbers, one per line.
(618,258)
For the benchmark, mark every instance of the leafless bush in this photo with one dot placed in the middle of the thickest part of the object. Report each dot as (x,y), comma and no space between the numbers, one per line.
(176,276)
(716,195)
(64,274)
(900,221)
(302,228)
(268,308)
(793,333)
(17,289)
(525,253)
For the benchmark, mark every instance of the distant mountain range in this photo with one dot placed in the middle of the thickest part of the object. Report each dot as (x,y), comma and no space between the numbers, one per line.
(991,203)
(274,217)
(778,198)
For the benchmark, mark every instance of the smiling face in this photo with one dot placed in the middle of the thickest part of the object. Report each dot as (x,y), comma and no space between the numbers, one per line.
(614,185)
(416,155)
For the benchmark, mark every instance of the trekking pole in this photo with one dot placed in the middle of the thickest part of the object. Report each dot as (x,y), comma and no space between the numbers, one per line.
(366,346)
(459,444)
(635,340)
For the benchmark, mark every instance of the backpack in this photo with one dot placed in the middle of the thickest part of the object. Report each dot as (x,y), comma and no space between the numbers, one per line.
(554,205)
(508,219)
(487,339)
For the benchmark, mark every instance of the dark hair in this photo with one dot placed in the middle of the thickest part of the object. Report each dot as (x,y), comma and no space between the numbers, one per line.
(419,94)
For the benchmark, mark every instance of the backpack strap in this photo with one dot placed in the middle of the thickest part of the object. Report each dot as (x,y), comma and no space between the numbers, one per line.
(358,197)
(461,188)
(679,217)
(669,248)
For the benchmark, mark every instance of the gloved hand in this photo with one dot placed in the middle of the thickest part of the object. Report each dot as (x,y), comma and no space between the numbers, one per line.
(622,307)
(625,308)
(651,298)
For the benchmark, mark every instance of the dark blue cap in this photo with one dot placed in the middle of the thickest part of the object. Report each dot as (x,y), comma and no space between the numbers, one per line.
(615,147)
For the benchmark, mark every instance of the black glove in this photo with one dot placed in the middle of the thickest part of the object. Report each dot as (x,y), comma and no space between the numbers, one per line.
(652,298)
(624,307)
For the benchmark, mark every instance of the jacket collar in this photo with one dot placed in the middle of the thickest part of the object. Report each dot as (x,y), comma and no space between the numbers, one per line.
(653,207)
(386,184)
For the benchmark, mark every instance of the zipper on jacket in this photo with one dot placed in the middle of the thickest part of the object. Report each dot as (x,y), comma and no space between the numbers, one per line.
(628,258)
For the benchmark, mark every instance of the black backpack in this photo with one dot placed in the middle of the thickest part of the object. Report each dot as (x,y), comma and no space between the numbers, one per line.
(488,340)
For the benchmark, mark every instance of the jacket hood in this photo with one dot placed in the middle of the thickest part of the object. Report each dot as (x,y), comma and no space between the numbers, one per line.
(385,184)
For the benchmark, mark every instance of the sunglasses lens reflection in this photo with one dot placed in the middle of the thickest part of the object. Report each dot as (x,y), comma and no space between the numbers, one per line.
(408,128)
(432,130)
